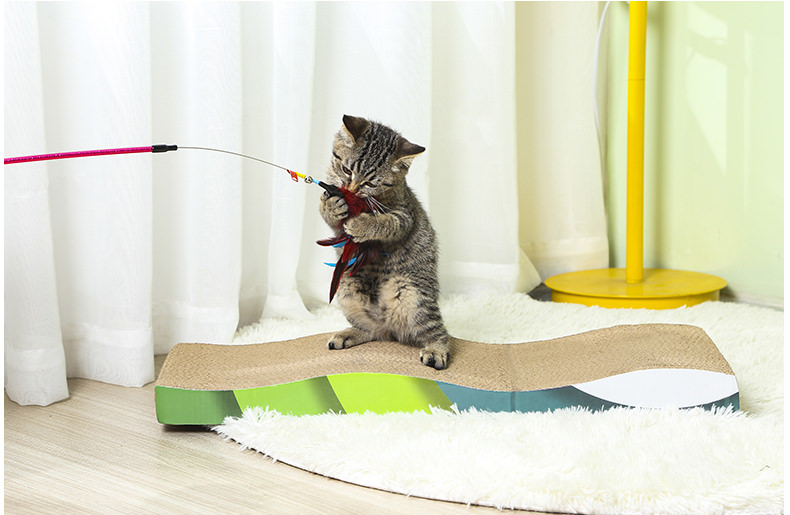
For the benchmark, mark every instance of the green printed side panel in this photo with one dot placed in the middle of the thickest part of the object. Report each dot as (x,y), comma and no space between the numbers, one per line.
(308,397)
(383,393)
(177,406)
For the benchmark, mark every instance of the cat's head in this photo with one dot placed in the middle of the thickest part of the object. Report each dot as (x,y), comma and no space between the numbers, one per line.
(369,158)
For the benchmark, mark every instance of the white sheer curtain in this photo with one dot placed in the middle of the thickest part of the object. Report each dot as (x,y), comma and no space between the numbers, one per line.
(560,181)
(109,260)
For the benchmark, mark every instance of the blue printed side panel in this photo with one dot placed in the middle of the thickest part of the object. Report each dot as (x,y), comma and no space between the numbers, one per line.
(541,400)
(558,398)
(538,400)
(484,400)
(733,401)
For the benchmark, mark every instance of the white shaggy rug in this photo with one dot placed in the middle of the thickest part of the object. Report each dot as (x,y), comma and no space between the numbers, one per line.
(571,461)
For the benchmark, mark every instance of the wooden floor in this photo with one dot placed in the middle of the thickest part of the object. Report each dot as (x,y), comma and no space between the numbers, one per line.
(102,451)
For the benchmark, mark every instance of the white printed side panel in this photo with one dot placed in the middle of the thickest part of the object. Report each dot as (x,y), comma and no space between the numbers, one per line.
(663,388)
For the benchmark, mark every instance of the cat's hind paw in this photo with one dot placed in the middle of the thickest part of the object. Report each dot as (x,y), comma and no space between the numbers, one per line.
(435,358)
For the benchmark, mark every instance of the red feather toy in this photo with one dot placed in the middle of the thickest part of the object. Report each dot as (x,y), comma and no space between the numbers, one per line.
(354,255)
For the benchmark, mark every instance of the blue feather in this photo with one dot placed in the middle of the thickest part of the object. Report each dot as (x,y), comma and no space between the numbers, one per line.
(350,262)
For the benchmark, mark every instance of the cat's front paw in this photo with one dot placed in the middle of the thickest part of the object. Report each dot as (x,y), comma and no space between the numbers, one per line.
(347,338)
(434,357)
(361,228)
(334,209)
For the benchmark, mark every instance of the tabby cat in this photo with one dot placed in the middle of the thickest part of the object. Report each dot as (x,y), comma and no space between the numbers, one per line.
(394,297)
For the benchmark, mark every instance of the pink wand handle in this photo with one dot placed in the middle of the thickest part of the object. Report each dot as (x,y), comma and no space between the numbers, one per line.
(88,153)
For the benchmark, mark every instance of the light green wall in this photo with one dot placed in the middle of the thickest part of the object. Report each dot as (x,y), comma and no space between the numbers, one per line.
(714,140)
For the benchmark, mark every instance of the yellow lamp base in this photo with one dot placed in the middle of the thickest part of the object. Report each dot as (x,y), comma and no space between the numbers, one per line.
(660,289)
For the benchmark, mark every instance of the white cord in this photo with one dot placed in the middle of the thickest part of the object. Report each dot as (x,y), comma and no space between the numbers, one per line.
(237,154)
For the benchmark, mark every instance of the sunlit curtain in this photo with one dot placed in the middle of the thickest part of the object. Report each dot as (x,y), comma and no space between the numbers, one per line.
(110,260)
(560,172)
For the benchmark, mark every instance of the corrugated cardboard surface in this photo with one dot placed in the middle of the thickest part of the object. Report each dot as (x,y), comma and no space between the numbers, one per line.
(500,367)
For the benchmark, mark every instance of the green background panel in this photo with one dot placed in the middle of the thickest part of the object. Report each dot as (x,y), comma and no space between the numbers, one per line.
(714,142)
(308,397)
(383,393)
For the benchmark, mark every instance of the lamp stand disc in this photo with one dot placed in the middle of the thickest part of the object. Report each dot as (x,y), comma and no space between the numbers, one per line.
(660,289)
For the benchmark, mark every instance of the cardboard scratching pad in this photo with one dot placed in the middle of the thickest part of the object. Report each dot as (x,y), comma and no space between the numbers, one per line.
(650,365)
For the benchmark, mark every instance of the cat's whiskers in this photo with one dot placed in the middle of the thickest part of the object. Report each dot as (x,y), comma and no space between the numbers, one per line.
(376,205)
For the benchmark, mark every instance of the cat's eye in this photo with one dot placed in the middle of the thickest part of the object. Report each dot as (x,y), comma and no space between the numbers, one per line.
(346,170)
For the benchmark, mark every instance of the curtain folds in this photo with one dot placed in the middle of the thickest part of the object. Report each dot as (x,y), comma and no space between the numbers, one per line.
(559,152)
(34,356)
(196,99)
(110,260)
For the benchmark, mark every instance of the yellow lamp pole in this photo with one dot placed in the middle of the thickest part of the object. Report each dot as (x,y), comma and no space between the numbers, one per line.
(634,247)
(635,286)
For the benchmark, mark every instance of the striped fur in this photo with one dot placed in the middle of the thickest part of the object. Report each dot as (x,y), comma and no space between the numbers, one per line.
(396,296)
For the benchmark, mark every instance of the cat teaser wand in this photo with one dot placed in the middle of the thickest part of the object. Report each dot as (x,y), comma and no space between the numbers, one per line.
(354,255)
(158,149)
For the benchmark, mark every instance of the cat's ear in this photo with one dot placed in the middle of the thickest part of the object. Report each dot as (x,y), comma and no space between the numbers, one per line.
(407,150)
(355,126)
